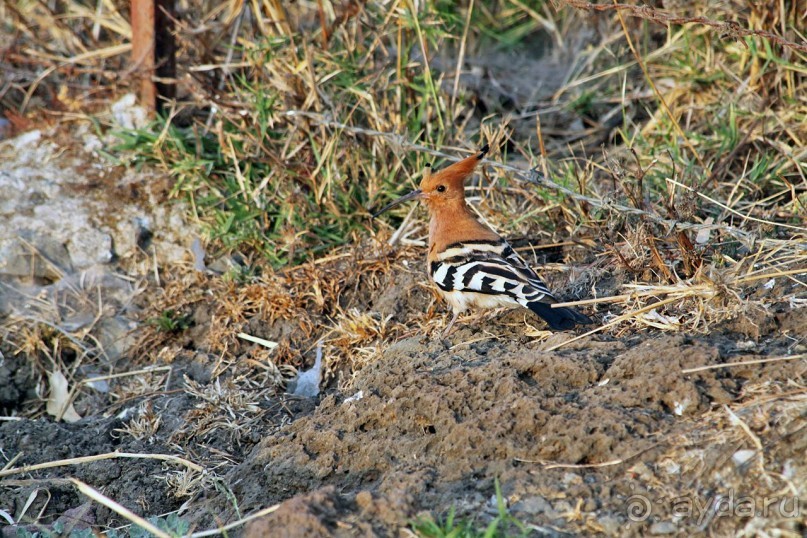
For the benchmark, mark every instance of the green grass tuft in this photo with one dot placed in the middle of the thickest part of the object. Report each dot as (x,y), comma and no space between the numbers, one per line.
(502,526)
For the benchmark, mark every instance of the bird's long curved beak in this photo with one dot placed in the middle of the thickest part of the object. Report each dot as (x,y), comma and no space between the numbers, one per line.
(405,198)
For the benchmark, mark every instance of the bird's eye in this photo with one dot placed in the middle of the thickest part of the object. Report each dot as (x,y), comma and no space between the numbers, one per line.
(441,188)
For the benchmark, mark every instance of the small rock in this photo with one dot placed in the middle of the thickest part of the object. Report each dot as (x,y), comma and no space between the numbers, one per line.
(610,525)
(702,237)
(198,252)
(200,368)
(789,469)
(92,143)
(79,518)
(5,128)
(77,321)
(89,247)
(225,263)
(561,507)
(680,407)
(128,114)
(102,385)
(115,336)
(355,398)
(32,254)
(641,470)
(533,506)
(26,139)
(670,467)
(741,457)
(571,479)
(364,499)
(663,527)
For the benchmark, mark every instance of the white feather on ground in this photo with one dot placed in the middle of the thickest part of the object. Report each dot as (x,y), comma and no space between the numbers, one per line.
(308,381)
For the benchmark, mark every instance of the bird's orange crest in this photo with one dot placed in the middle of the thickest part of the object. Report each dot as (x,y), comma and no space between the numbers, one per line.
(447,186)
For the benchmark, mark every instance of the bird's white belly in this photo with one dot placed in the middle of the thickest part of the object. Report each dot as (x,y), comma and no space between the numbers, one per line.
(462,300)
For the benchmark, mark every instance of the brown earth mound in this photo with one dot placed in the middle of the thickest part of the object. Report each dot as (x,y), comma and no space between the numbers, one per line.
(432,424)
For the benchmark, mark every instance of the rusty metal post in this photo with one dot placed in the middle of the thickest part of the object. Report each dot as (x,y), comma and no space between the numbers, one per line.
(143,59)
(154,50)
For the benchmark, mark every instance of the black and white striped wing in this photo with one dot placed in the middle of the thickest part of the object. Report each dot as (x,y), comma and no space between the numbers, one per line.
(490,268)
(512,257)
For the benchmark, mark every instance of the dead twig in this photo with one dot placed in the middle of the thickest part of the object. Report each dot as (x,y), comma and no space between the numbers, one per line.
(99,457)
(743,363)
(730,29)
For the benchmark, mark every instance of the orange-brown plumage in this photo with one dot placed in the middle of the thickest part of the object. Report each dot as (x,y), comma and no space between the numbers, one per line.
(470,264)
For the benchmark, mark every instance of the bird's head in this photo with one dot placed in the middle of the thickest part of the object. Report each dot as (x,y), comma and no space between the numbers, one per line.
(442,188)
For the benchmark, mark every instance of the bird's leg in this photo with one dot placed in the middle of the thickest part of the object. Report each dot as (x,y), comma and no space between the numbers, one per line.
(448,328)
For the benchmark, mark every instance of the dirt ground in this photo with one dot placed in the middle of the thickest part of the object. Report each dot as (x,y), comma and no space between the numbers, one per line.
(606,435)
(573,436)
(439,421)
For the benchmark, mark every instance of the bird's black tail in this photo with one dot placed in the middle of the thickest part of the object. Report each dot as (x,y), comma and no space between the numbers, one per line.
(560,319)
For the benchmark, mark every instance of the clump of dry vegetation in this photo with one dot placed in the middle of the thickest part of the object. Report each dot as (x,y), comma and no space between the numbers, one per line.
(651,158)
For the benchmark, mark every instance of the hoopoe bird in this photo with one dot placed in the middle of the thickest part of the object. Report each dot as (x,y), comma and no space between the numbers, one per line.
(471,264)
